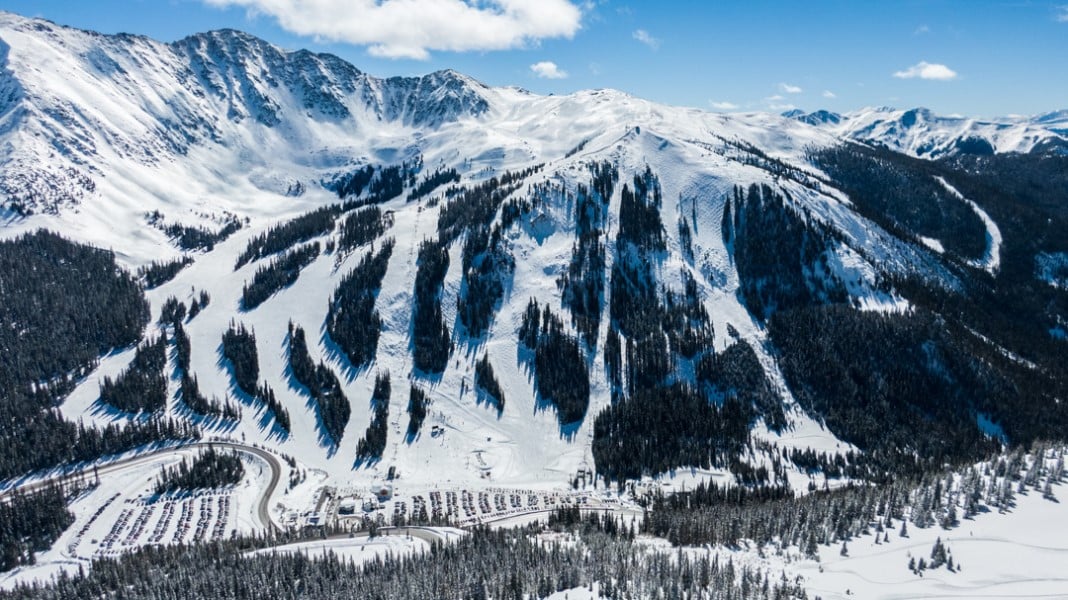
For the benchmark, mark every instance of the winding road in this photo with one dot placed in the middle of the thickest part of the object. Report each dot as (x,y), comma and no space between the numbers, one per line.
(263,507)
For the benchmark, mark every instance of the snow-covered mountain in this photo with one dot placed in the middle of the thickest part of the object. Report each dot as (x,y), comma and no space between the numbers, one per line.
(77,105)
(109,139)
(922,133)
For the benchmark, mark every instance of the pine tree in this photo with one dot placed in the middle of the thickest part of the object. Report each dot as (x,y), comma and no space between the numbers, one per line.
(938,554)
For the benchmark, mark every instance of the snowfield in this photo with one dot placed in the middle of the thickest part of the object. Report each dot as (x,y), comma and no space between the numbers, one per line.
(1006,554)
(1019,554)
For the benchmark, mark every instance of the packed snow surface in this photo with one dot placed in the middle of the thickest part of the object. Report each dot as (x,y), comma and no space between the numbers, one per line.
(992,258)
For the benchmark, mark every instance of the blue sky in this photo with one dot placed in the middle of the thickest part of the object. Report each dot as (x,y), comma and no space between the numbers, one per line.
(975,57)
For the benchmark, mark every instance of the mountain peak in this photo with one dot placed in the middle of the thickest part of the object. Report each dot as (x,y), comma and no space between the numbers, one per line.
(815,118)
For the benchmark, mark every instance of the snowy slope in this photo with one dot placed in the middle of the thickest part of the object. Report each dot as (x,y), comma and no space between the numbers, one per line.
(922,133)
(99,130)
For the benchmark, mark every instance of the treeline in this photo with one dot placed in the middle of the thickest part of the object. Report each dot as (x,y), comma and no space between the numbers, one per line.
(61,295)
(897,386)
(198,238)
(373,443)
(157,273)
(239,347)
(773,518)
(190,237)
(209,470)
(780,254)
(901,194)
(486,563)
(417,405)
(431,340)
(352,321)
(189,392)
(477,206)
(736,374)
(655,430)
(31,523)
(560,374)
(282,237)
(353,183)
(361,227)
(322,385)
(487,262)
(280,273)
(382,183)
(486,381)
(432,181)
(142,386)
(583,285)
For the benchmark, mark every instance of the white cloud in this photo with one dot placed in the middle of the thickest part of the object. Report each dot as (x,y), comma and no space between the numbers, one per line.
(548,70)
(413,28)
(723,105)
(644,37)
(828,94)
(790,89)
(926,70)
(922,29)
(776,102)
(1062,14)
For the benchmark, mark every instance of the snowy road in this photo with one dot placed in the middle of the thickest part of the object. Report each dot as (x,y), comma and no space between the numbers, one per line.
(140,460)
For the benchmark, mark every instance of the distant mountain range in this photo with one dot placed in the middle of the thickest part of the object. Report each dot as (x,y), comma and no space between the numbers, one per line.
(922,133)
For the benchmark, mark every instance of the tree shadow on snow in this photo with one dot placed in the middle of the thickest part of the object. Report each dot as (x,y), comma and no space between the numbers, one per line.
(266,419)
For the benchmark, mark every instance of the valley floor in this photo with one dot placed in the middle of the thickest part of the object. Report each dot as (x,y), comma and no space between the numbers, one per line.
(1019,553)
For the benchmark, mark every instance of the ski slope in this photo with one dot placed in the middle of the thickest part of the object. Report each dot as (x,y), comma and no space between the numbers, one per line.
(160,127)
(96,132)
(992,256)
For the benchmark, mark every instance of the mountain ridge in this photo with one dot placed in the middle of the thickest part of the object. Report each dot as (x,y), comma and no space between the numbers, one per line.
(199,89)
(920,132)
